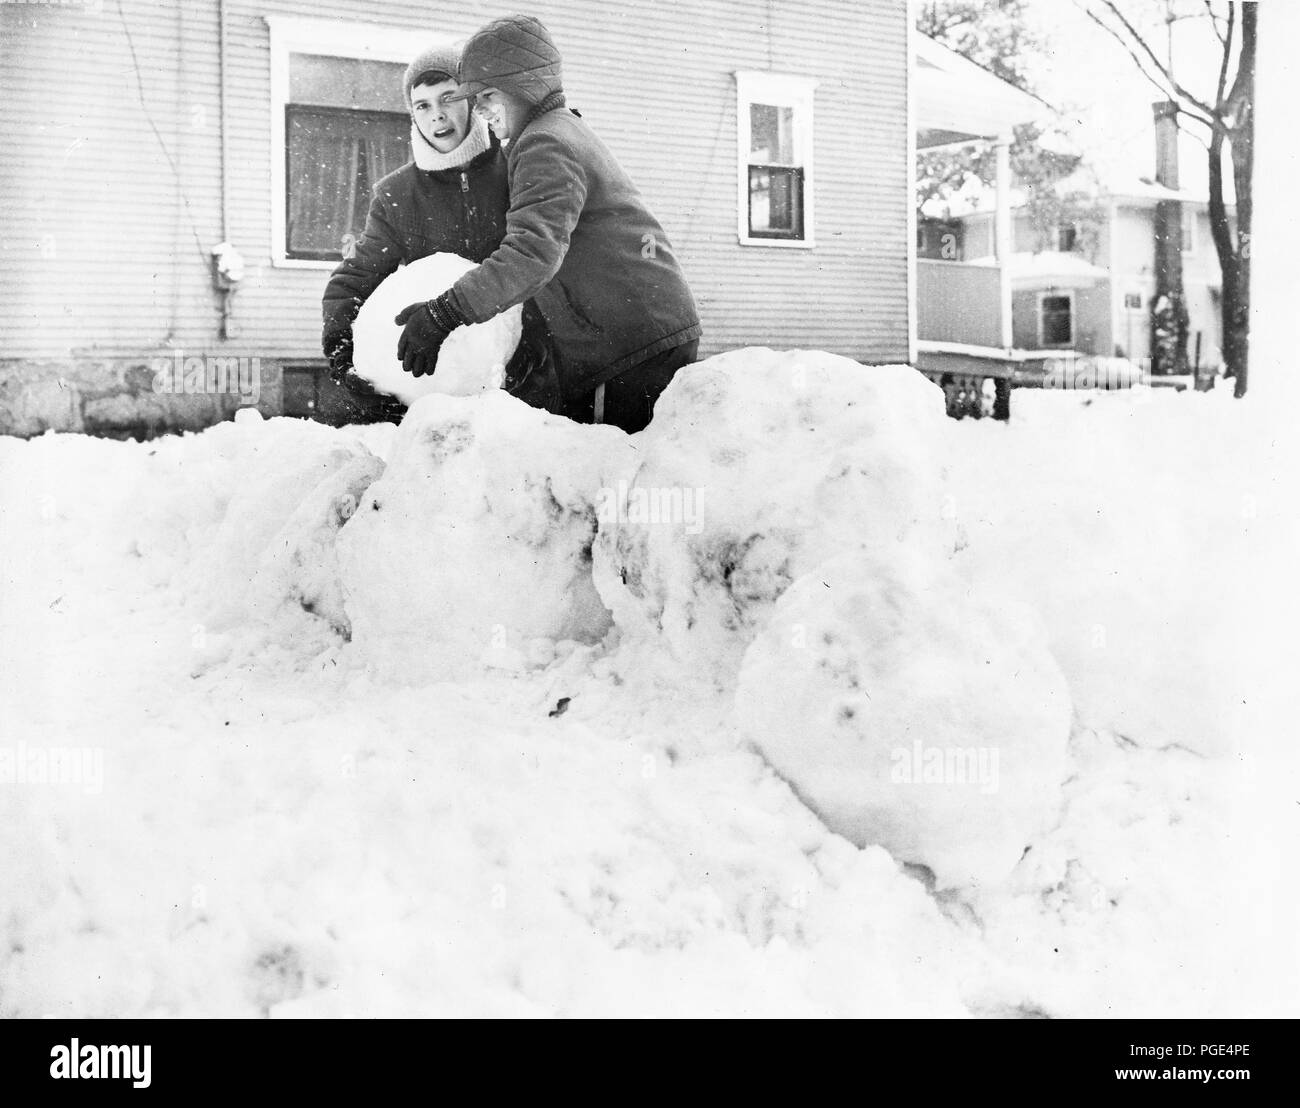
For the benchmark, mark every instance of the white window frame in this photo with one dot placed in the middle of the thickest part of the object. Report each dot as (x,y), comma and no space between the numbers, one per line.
(784,91)
(337,39)
(1056,293)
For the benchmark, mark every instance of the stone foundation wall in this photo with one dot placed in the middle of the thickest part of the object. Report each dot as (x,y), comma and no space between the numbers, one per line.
(136,397)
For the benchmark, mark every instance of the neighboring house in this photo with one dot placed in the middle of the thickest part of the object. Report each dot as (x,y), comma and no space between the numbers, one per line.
(1093,293)
(772,141)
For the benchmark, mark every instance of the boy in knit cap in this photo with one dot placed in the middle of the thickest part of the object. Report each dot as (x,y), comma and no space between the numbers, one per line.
(579,240)
(451,197)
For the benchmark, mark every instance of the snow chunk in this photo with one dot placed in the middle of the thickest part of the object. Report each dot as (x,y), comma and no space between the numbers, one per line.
(759,465)
(909,715)
(477,539)
(296,484)
(472,360)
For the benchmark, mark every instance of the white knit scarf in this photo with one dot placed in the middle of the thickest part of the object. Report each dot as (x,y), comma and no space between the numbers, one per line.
(474,143)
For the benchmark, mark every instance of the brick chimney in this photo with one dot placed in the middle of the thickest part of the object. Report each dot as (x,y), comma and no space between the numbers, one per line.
(1169,308)
(1166,116)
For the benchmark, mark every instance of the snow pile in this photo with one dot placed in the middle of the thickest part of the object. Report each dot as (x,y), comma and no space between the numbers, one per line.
(275,545)
(475,545)
(335,836)
(472,360)
(910,712)
(758,466)
(1132,535)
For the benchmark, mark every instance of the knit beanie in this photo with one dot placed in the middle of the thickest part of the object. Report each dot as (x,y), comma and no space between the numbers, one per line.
(515,55)
(444,58)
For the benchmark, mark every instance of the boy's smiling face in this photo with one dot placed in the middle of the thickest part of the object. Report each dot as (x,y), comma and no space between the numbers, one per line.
(504,113)
(444,124)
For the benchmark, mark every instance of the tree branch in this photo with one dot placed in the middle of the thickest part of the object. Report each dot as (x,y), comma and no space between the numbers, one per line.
(1160,66)
(1214,20)
(1169,92)
(1227,53)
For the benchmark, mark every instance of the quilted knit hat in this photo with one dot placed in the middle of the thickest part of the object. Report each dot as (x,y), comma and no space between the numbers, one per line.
(515,55)
(441,58)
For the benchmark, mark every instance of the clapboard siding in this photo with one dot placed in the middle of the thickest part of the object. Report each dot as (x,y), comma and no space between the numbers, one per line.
(107,224)
(131,228)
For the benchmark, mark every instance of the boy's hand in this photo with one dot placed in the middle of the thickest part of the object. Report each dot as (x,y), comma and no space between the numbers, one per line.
(339,352)
(425,328)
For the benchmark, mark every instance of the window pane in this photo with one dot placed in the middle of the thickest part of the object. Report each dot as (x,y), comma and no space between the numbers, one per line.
(771,135)
(346,82)
(334,159)
(776,202)
(1057,329)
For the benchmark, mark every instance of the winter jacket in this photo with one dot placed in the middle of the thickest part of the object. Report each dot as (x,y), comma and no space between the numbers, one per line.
(580,241)
(414,213)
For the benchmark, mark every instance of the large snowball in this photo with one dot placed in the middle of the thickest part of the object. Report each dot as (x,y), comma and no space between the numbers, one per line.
(910,713)
(476,542)
(472,360)
(759,465)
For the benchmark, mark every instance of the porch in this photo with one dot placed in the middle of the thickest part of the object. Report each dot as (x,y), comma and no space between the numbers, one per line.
(962,311)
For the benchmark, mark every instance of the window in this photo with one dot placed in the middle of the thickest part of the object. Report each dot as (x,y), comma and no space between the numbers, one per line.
(774,116)
(338,124)
(1055,319)
(1133,301)
(345,128)
(1067,235)
(1189,229)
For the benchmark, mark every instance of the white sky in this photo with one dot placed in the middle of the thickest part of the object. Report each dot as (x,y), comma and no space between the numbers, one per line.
(1089,73)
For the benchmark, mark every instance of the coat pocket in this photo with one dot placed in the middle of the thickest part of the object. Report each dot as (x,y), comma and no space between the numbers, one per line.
(580,314)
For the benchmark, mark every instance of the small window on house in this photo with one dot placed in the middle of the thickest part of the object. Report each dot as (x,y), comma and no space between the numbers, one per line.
(1133,301)
(1067,235)
(1056,320)
(345,127)
(1189,229)
(774,118)
(775,180)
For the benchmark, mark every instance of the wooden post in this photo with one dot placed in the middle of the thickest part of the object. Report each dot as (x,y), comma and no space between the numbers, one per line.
(1002,235)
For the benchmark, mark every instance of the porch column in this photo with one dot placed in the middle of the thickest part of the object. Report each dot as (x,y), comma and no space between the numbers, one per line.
(1002,234)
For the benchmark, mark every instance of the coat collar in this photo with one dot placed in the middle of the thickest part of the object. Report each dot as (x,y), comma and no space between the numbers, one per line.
(549,104)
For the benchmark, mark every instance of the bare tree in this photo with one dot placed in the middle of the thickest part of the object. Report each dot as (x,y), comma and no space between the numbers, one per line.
(1230,118)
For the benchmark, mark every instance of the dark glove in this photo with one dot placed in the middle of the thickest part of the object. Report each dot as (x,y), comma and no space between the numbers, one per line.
(425,328)
(338,349)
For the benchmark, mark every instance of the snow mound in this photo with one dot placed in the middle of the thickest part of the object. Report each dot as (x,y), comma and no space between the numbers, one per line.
(300,564)
(1131,550)
(477,540)
(472,360)
(759,465)
(295,486)
(908,715)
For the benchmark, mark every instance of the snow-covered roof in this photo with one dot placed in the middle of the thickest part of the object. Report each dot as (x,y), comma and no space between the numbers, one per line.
(1048,268)
(1137,191)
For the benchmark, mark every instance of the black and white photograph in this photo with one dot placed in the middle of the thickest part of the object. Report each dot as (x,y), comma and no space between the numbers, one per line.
(676,510)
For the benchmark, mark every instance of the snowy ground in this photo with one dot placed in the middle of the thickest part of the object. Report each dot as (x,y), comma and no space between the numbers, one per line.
(235,785)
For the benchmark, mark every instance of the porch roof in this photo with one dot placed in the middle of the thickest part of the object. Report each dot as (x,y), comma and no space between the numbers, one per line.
(958,101)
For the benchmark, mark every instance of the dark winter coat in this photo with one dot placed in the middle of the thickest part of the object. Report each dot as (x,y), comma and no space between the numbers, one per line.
(583,244)
(415,213)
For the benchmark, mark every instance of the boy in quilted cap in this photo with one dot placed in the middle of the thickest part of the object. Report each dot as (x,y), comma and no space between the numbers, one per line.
(579,240)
